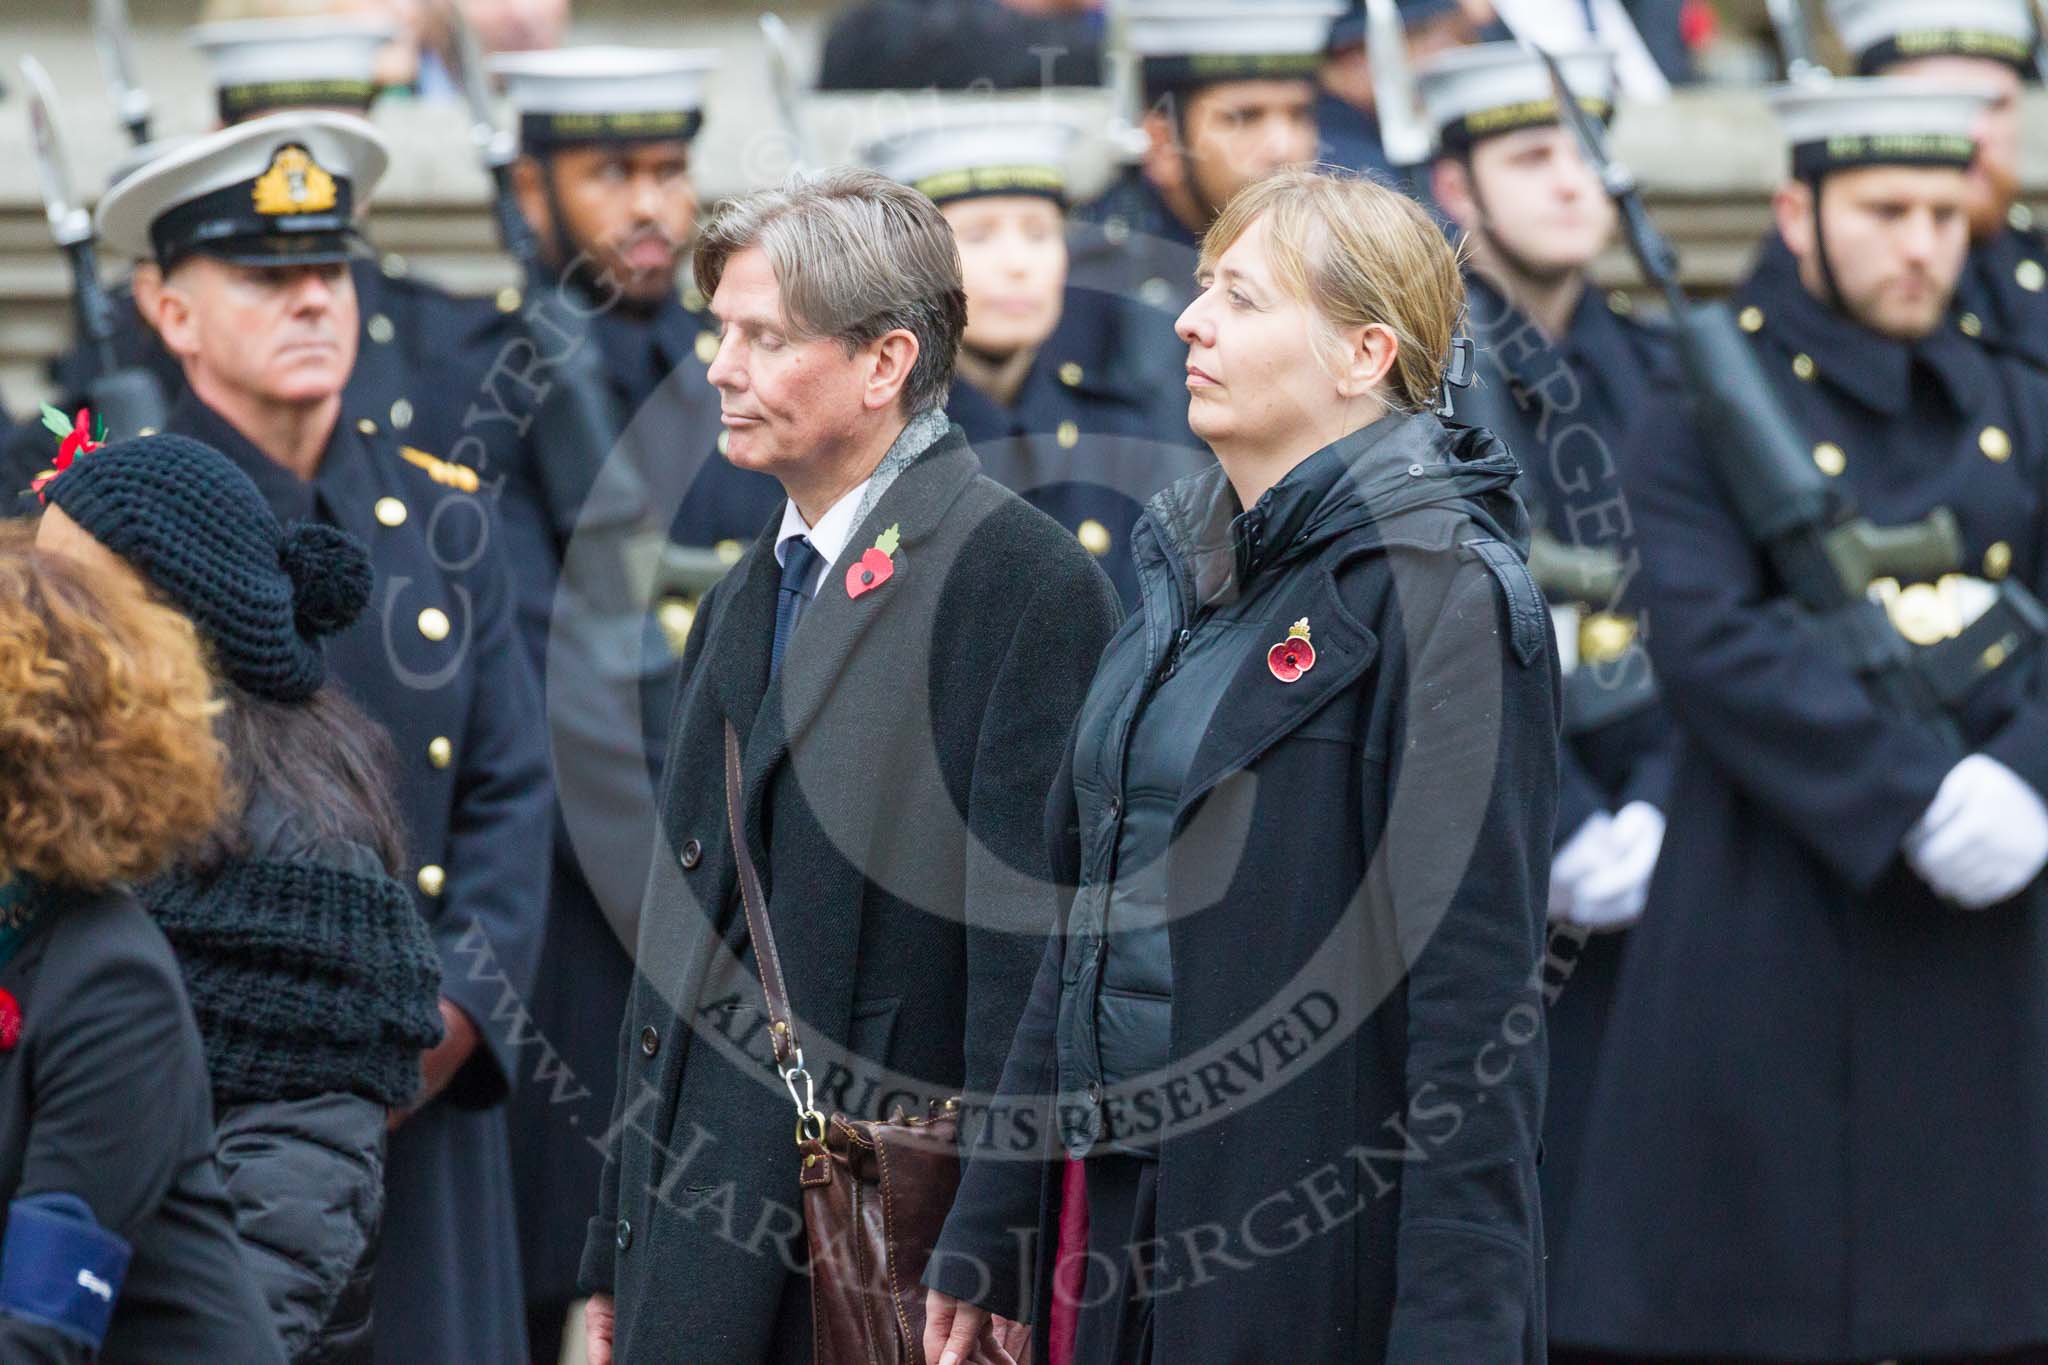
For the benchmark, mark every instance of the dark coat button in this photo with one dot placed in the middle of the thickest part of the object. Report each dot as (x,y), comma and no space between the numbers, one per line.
(650,1040)
(693,853)
(625,1238)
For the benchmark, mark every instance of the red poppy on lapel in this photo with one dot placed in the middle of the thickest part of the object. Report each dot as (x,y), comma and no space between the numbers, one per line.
(10,1021)
(875,566)
(1294,655)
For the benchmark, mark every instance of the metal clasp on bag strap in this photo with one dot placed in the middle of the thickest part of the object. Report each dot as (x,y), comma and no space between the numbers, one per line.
(810,1124)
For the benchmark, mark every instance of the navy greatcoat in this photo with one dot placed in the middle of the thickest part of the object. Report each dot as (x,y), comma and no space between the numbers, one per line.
(437,661)
(2003,295)
(895,776)
(1821,1121)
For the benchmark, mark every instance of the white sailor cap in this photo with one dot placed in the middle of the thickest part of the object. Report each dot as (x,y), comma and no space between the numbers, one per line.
(1481,91)
(1183,44)
(1876,121)
(260,66)
(282,189)
(965,154)
(577,95)
(1882,33)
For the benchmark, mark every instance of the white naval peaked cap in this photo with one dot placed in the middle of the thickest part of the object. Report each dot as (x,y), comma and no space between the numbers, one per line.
(1876,121)
(259,66)
(963,153)
(605,94)
(1479,91)
(279,189)
(1882,32)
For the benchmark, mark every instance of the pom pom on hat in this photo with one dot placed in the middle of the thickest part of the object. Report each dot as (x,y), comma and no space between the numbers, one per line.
(331,578)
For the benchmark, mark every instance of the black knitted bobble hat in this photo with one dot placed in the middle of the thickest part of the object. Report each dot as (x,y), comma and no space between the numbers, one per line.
(197,528)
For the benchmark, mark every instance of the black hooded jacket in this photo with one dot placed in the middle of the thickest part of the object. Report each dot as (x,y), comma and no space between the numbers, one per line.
(1354,873)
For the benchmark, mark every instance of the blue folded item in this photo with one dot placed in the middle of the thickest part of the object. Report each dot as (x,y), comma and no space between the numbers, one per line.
(59,1267)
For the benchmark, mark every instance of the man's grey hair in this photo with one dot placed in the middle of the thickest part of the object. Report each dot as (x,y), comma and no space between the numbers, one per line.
(856,256)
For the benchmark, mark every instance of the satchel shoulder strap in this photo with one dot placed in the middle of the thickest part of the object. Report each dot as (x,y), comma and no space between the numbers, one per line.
(781,1029)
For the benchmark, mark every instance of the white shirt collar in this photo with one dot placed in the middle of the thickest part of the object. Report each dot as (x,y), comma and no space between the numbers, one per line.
(828,537)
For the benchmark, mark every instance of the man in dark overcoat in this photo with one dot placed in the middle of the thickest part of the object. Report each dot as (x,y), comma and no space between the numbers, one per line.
(1819,1119)
(252,228)
(901,657)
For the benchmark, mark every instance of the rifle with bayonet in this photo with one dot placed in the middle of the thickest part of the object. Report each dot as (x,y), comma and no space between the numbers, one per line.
(1795,40)
(117,58)
(576,420)
(1827,558)
(128,400)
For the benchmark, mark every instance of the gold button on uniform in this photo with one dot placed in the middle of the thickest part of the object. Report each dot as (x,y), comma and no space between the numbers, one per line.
(1995,444)
(1070,374)
(1094,537)
(707,347)
(1750,319)
(1830,458)
(366,426)
(2031,276)
(432,879)
(1970,325)
(508,300)
(1068,435)
(693,298)
(394,266)
(728,551)
(401,413)
(390,512)
(440,751)
(1619,302)
(1998,560)
(434,623)
(1802,365)
(2020,217)
(380,329)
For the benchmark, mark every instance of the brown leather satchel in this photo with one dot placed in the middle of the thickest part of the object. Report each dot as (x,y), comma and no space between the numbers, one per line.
(876,1192)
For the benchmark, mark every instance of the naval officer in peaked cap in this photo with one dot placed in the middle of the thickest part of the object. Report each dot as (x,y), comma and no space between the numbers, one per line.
(409,328)
(253,228)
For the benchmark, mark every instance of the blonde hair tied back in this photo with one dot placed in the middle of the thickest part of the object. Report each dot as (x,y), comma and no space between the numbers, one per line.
(1358,254)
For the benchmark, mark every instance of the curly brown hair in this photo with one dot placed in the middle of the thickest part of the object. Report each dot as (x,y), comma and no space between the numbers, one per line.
(109,768)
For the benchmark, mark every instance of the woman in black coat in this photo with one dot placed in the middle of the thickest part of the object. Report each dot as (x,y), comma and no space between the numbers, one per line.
(1289,1025)
(118,1243)
(311,975)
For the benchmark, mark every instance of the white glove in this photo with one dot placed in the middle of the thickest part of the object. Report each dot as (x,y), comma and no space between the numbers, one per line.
(1984,836)
(1611,896)
(1581,855)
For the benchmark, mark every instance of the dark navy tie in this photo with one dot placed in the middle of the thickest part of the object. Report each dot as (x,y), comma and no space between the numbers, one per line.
(800,564)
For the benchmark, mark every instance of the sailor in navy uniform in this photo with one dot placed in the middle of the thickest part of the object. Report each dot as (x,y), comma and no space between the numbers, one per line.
(409,328)
(1818,1130)
(1988,44)
(604,182)
(1563,369)
(1049,388)
(251,229)
(1230,96)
